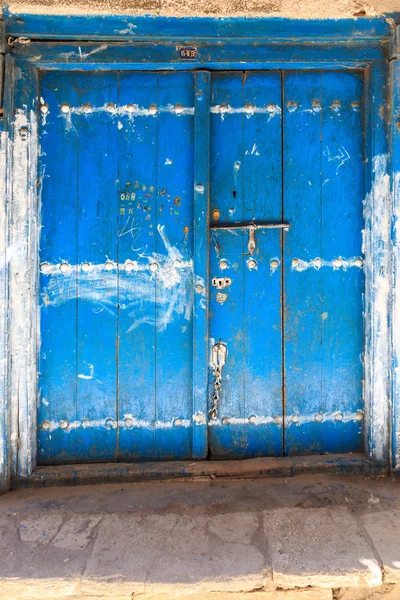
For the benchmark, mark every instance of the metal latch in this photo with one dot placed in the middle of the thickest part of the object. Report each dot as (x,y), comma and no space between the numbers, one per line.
(218,359)
(251,227)
(221,282)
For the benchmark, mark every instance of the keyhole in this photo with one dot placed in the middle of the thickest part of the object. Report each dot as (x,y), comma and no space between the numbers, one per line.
(234,193)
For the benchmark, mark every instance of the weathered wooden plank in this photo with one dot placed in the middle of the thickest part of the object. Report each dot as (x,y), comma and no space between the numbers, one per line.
(302,288)
(137,233)
(227,431)
(97,268)
(262,317)
(342,284)
(142,27)
(395,168)
(201,219)
(58,244)
(227,54)
(377,268)
(5,170)
(174,278)
(23,265)
(74,475)
(323,197)
(246,185)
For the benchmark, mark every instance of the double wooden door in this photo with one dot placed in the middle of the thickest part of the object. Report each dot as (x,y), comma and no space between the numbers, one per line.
(118,277)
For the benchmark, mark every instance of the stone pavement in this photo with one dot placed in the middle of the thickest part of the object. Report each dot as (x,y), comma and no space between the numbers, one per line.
(311,537)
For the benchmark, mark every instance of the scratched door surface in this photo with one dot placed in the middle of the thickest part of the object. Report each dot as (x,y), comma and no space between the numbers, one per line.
(116,162)
(286,278)
(117,277)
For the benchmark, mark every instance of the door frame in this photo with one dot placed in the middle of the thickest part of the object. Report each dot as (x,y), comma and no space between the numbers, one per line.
(37,42)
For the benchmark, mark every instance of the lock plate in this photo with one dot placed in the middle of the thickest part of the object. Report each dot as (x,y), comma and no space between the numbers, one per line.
(221,282)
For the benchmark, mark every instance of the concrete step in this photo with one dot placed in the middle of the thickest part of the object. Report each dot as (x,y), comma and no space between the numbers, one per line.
(311,537)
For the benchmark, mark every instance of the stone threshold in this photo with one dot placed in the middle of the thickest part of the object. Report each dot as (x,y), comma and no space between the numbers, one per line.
(309,537)
(289,466)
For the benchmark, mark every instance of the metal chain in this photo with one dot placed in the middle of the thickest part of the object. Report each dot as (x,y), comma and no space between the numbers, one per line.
(219,353)
(217,384)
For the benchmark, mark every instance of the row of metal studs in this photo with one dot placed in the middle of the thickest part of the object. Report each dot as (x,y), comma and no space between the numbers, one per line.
(222,108)
(129,266)
(318,263)
(129,423)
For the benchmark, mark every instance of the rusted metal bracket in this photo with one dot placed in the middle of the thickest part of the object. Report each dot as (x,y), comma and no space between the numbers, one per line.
(251,228)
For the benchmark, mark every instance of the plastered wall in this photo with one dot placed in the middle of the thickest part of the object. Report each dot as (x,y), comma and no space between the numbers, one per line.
(307,9)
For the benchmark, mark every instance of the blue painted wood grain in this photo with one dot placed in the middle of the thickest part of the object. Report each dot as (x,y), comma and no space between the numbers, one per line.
(227,54)
(246,185)
(58,166)
(137,232)
(174,323)
(111,27)
(97,245)
(131,395)
(201,217)
(127,236)
(323,193)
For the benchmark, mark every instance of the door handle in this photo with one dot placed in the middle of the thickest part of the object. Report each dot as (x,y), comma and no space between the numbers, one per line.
(251,228)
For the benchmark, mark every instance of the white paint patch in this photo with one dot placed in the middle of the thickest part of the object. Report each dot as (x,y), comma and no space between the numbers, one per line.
(335,264)
(168,161)
(133,285)
(377,295)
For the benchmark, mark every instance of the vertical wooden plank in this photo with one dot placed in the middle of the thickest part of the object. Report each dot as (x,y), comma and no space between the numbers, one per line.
(262,318)
(174,259)
(58,287)
(377,267)
(395,168)
(97,127)
(302,113)
(137,232)
(227,431)
(5,170)
(246,182)
(23,266)
(201,219)
(324,333)
(342,196)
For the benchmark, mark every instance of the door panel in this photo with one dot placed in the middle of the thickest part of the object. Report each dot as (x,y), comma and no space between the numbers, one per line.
(246,175)
(117,276)
(323,194)
(121,148)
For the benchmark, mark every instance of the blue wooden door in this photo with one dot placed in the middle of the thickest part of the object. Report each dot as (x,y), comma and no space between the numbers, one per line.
(286,279)
(121,346)
(116,160)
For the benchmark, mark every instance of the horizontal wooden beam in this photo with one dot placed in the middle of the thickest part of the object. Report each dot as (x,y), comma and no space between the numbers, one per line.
(113,27)
(145,471)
